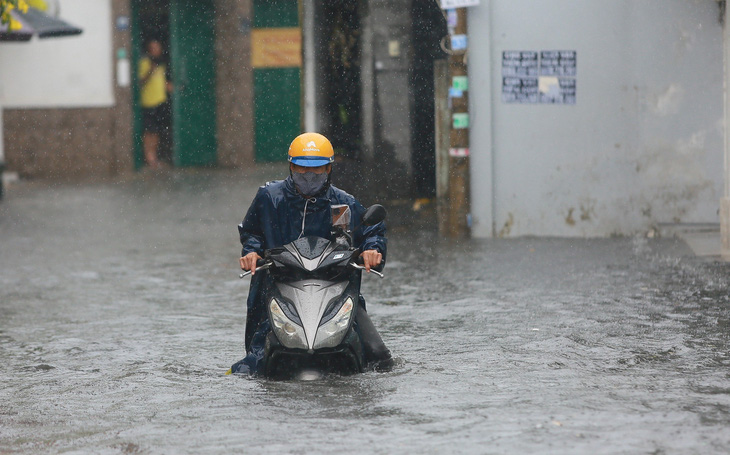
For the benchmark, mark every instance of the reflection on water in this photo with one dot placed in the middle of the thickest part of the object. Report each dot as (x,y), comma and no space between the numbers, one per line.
(120,310)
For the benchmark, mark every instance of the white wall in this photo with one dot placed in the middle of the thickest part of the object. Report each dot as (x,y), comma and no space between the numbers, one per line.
(642,146)
(2,140)
(71,71)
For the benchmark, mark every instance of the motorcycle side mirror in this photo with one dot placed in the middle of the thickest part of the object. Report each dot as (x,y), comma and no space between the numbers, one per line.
(374,215)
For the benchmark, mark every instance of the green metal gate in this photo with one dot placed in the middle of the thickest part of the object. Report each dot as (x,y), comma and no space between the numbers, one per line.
(276,58)
(192,52)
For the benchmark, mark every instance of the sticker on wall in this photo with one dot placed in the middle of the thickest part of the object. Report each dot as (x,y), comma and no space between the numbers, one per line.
(458,42)
(394,48)
(446,4)
(545,77)
(460,120)
(122,23)
(456,93)
(556,90)
(460,83)
(459,152)
(452,19)
(124,69)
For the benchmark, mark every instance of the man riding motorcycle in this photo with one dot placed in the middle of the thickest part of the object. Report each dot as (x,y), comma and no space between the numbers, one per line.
(299,206)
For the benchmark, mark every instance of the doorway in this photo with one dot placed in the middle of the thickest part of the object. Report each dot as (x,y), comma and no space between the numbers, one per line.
(186,31)
(428,28)
(374,70)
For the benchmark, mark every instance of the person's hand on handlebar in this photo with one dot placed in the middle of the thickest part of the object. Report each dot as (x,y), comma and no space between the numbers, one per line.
(370,258)
(248,262)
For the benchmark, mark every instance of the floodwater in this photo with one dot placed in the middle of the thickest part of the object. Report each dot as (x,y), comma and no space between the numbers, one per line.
(121,309)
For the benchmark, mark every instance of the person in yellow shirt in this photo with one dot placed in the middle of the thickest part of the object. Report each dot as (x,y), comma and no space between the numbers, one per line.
(154,88)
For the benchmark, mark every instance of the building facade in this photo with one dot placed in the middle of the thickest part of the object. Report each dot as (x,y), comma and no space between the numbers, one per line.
(587,118)
(595,118)
(69,105)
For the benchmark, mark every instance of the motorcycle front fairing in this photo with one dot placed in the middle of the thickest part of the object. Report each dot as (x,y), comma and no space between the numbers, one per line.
(312,300)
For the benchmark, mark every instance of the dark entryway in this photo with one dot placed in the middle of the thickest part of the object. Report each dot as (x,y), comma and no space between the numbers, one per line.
(429,27)
(186,32)
(341,99)
(375,92)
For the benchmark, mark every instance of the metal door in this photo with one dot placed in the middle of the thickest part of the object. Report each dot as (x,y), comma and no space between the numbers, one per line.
(276,58)
(192,48)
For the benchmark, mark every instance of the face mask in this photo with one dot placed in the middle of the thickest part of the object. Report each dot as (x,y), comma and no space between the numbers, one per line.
(309,183)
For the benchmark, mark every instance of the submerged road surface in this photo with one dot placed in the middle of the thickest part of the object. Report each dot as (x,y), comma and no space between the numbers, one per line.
(121,309)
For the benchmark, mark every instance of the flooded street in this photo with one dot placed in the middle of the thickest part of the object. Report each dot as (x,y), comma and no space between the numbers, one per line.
(121,310)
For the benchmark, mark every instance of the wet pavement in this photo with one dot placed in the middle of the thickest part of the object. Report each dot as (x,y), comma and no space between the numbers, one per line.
(121,309)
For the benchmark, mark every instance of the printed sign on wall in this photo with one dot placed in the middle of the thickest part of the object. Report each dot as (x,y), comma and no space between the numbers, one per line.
(276,47)
(523,90)
(520,63)
(558,63)
(545,77)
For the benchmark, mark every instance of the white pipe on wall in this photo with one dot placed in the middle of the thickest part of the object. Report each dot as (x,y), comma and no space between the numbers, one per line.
(481,137)
(310,93)
(2,140)
(725,201)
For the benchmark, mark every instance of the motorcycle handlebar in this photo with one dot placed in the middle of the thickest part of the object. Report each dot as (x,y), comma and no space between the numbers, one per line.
(261,264)
(362,267)
(359,261)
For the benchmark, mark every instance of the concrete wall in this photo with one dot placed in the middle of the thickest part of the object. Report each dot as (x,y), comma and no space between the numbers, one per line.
(642,145)
(234,82)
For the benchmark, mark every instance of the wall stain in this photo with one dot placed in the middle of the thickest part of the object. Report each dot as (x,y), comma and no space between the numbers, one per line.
(507,228)
(587,211)
(569,220)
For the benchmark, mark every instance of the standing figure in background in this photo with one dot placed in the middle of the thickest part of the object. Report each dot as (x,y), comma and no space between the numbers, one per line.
(154,89)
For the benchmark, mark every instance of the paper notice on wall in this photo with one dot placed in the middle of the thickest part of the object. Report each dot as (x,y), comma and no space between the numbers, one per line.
(276,47)
(520,63)
(547,85)
(522,90)
(557,90)
(558,63)
(447,4)
(545,77)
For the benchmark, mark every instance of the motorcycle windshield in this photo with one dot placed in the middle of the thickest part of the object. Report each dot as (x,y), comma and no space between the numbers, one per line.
(310,253)
(341,216)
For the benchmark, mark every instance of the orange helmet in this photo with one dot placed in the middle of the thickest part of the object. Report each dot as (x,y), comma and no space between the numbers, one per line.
(311,150)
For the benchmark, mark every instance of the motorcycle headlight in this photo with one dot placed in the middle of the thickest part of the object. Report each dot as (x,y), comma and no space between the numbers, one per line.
(331,333)
(287,331)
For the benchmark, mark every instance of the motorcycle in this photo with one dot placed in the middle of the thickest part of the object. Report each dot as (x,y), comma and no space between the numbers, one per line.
(313,302)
